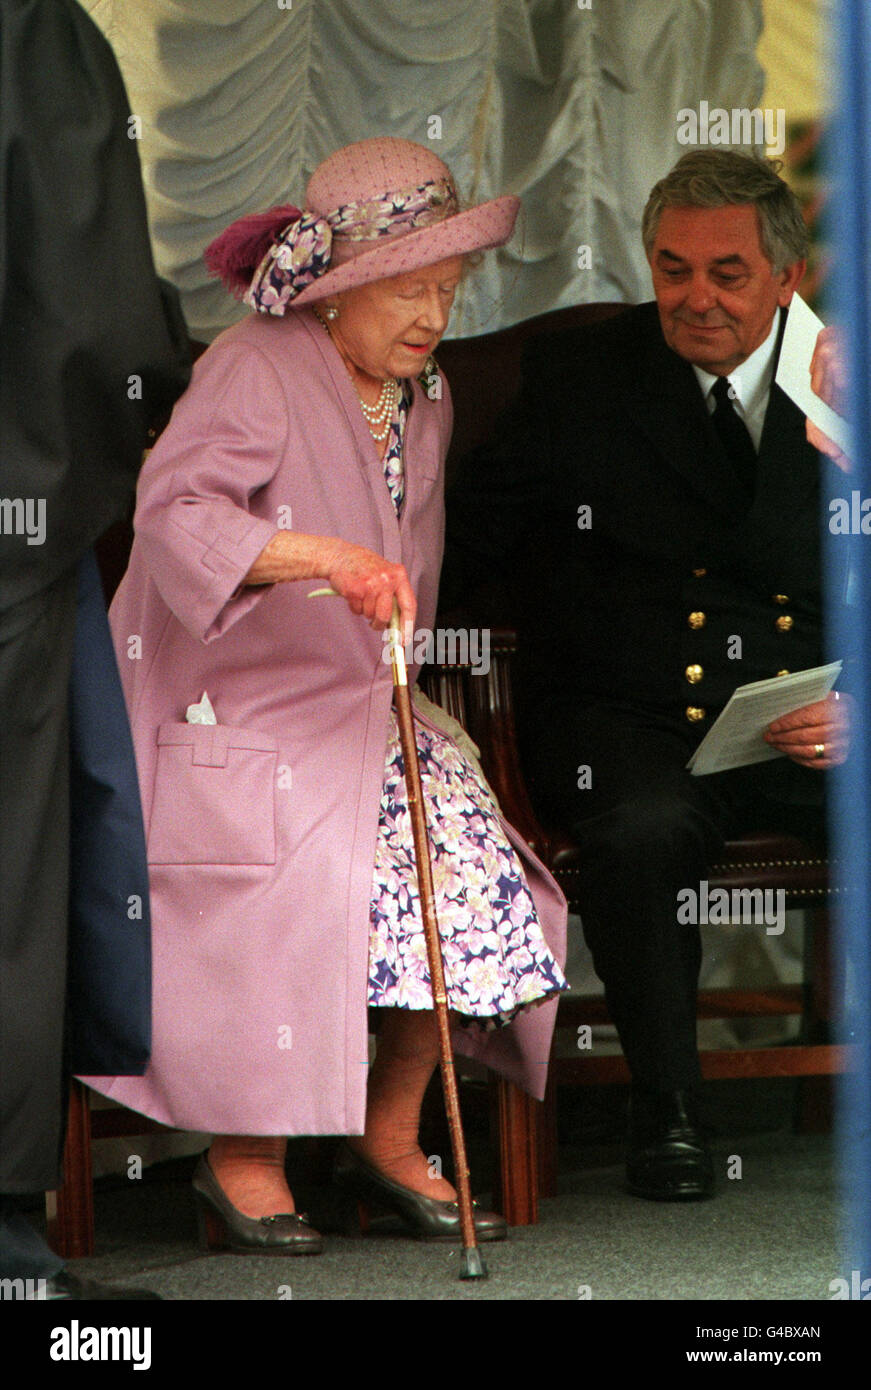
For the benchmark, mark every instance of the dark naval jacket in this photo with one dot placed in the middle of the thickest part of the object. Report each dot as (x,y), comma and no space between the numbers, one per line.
(642,575)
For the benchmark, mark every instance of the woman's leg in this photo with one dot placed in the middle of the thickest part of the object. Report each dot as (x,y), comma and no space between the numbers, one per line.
(408,1053)
(250,1170)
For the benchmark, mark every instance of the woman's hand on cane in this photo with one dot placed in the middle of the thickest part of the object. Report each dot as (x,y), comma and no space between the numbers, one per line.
(369,584)
(366,581)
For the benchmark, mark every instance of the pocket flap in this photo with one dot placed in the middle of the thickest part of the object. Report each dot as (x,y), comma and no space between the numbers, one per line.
(211,743)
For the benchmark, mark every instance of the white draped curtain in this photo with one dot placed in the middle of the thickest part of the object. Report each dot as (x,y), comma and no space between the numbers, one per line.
(573,106)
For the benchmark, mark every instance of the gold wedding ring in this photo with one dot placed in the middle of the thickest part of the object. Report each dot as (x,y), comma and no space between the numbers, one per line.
(819,750)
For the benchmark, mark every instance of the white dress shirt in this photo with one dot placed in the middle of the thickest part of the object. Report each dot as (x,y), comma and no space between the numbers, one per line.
(751,382)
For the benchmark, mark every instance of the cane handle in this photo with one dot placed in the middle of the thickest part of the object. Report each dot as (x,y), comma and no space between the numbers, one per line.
(397,651)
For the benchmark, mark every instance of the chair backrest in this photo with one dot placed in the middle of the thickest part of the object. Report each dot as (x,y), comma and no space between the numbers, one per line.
(484,372)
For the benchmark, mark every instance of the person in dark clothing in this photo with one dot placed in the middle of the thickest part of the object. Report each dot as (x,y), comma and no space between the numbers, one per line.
(92,350)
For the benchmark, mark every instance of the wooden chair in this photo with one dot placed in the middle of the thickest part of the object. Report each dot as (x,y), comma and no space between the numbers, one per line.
(70,1210)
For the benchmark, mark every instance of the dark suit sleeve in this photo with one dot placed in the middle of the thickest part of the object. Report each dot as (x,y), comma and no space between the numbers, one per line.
(92,347)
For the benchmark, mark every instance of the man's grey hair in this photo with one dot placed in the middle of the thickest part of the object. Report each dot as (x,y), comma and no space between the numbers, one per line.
(727,178)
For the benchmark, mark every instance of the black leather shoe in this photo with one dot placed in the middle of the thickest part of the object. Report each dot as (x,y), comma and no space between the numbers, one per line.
(223,1227)
(668,1158)
(426,1217)
(68,1286)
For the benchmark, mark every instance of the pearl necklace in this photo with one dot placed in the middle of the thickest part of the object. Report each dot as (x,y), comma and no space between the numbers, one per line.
(379,417)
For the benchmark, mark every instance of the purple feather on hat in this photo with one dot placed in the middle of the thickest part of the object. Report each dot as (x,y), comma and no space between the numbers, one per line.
(235,255)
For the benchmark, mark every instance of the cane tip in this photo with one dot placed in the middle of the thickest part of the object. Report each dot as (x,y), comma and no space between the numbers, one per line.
(472,1264)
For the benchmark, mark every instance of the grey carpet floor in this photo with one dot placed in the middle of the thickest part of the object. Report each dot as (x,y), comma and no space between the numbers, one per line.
(770,1233)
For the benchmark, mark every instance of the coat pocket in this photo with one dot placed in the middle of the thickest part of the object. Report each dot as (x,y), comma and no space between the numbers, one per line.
(214,796)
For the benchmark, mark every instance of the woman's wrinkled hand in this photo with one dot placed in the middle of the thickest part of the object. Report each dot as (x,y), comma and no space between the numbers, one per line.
(369,584)
(366,581)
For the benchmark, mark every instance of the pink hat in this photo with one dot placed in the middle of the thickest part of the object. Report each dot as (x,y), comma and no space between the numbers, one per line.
(374,209)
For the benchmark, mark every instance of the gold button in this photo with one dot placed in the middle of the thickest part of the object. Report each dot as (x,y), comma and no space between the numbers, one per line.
(784,622)
(784,672)
(694,674)
(700,572)
(697,620)
(694,714)
(780,598)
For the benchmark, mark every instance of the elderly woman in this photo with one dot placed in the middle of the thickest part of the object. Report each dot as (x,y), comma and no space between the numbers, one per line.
(283,894)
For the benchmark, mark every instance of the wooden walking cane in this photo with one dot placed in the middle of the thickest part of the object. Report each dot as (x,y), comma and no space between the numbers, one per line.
(472,1265)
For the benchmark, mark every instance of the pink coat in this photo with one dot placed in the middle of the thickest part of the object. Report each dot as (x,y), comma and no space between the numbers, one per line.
(262,829)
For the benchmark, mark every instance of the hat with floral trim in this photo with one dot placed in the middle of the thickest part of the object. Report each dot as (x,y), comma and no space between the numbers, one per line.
(375,209)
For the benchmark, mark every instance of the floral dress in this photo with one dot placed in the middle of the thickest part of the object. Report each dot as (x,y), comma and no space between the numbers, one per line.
(495,956)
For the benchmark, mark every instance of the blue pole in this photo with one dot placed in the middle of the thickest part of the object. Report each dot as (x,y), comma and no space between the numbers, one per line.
(850,622)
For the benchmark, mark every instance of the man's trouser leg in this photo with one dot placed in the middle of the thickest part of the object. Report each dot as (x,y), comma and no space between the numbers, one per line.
(36,639)
(646,830)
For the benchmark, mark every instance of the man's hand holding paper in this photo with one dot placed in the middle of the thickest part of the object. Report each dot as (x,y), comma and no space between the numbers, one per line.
(797,708)
(817,735)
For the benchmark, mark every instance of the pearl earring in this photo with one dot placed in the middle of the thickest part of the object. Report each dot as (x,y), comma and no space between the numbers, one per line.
(331,312)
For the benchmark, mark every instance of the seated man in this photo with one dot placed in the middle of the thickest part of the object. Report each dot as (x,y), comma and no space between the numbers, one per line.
(657,494)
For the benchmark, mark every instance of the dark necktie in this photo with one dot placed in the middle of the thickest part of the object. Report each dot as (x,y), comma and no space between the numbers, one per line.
(734,434)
